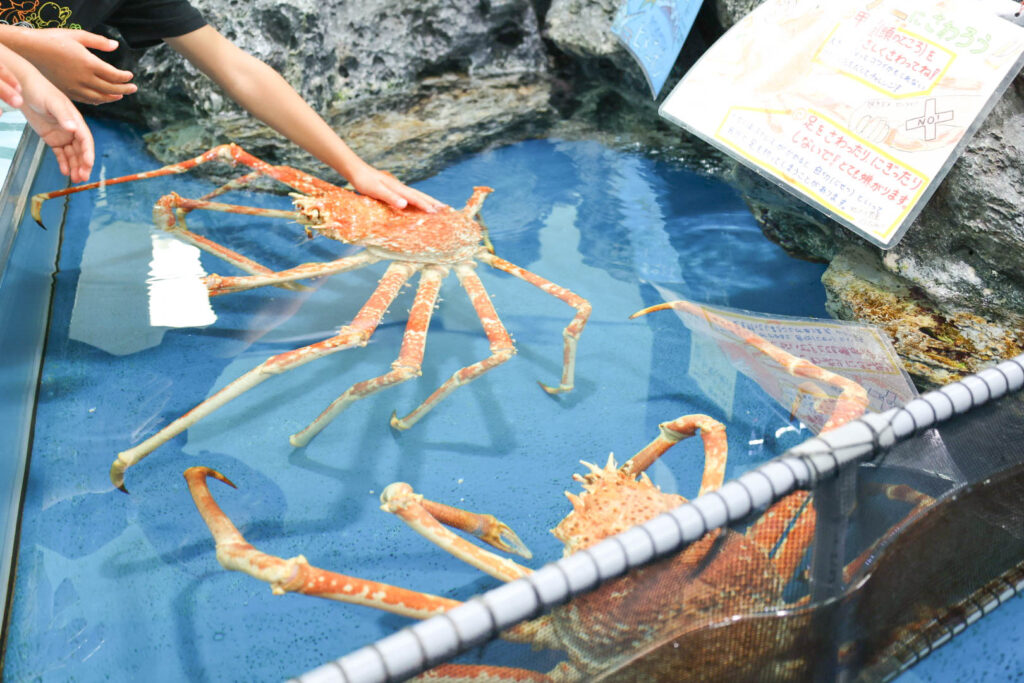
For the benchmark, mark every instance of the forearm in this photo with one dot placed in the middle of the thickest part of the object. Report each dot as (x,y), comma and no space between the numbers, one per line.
(18,38)
(267,95)
(21,67)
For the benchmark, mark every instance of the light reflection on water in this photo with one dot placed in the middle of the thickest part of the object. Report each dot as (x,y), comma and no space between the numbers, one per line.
(120,586)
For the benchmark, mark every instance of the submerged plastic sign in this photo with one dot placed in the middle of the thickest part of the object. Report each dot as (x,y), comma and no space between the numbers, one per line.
(727,340)
(859,108)
(654,32)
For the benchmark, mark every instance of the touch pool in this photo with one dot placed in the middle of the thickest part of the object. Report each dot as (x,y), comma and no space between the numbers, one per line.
(116,587)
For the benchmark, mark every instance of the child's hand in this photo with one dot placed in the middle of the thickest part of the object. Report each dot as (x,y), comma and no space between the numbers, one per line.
(52,115)
(62,55)
(388,189)
(10,88)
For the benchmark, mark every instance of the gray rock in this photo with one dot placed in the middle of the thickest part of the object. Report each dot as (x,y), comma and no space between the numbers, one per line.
(401,64)
(731,11)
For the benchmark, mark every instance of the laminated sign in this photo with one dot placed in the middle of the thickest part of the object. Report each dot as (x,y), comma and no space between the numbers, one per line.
(859,108)
(654,32)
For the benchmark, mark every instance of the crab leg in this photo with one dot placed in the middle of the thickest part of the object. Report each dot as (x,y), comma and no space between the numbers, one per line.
(904,494)
(716,448)
(472,211)
(230,153)
(357,333)
(408,364)
(232,185)
(169,215)
(572,331)
(502,347)
(296,574)
(164,210)
(481,673)
(419,513)
(224,284)
(853,398)
(476,201)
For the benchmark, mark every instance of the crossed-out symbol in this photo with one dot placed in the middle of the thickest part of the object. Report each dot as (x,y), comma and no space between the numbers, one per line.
(930,121)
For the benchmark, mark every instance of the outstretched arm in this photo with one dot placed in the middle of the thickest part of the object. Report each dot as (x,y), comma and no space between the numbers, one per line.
(268,97)
(52,115)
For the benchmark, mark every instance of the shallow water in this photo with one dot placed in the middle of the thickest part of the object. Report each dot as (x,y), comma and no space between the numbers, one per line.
(115,587)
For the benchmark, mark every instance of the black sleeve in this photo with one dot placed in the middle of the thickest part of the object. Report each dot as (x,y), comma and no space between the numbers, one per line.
(146,22)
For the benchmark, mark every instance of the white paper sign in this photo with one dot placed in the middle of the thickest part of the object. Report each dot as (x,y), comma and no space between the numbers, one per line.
(859,108)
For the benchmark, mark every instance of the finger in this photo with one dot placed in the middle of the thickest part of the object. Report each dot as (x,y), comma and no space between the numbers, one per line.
(71,120)
(62,160)
(108,88)
(94,41)
(74,163)
(92,97)
(393,198)
(10,88)
(83,144)
(82,159)
(425,198)
(414,197)
(111,74)
(78,169)
(419,199)
(10,95)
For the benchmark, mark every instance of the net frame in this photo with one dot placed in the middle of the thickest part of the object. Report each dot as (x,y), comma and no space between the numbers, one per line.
(434,641)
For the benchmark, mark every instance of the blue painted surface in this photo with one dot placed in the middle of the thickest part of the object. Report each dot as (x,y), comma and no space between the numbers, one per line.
(117,587)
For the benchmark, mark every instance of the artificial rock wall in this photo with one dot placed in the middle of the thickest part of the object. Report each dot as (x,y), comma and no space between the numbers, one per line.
(412,85)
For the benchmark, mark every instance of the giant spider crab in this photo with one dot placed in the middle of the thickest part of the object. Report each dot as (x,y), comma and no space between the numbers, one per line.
(432,244)
(590,628)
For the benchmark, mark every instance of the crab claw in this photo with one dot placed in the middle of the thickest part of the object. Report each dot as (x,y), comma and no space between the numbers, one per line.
(499,535)
(397,423)
(399,498)
(37,208)
(117,469)
(201,472)
(560,389)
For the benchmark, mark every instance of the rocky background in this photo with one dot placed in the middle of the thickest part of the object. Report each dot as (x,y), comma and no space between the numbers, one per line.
(412,85)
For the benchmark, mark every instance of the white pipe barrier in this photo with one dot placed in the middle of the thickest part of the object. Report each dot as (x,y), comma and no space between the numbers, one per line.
(436,640)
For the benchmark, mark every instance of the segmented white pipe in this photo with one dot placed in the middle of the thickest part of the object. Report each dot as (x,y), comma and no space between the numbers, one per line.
(436,640)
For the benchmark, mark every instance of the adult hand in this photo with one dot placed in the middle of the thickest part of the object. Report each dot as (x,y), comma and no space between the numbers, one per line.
(62,55)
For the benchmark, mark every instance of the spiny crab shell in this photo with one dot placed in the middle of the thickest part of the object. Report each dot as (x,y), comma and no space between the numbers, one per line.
(446,236)
(611,502)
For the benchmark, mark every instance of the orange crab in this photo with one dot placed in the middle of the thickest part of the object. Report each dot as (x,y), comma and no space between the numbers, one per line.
(599,628)
(432,244)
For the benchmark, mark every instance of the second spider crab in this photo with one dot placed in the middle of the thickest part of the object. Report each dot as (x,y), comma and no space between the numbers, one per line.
(724,574)
(412,241)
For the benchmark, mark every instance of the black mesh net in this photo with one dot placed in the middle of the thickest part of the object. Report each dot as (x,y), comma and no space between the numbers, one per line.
(858,580)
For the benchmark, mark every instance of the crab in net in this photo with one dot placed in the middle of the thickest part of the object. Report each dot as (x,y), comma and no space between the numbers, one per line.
(412,241)
(724,574)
